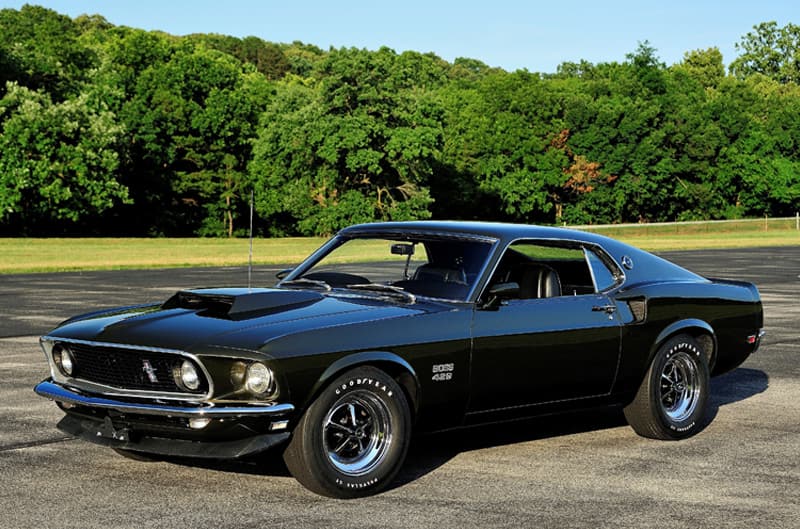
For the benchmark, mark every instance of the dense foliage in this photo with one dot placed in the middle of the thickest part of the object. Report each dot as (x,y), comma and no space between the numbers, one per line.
(110,130)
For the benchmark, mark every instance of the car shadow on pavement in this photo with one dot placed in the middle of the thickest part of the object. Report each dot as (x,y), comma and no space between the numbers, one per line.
(431,451)
(735,386)
(270,463)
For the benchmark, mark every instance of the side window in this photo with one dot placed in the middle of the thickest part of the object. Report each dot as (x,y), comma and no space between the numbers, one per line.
(602,276)
(544,269)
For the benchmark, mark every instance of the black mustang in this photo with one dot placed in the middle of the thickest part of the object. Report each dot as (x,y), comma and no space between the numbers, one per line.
(457,324)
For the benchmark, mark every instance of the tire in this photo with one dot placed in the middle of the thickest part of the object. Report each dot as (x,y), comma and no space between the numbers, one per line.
(671,402)
(136,456)
(353,439)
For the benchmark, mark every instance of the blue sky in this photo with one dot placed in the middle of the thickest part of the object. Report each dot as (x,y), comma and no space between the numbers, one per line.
(509,34)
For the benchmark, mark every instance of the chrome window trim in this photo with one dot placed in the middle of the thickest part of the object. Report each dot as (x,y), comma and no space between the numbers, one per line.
(591,268)
(49,341)
(584,245)
(341,238)
(610,263)
(492,249)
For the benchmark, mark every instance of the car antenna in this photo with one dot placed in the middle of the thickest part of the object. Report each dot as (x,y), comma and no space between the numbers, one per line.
(250,256)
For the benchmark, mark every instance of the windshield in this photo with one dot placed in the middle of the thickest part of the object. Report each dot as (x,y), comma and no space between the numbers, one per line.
(430,266)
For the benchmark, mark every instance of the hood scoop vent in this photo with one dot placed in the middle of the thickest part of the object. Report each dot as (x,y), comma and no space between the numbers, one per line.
(238,302)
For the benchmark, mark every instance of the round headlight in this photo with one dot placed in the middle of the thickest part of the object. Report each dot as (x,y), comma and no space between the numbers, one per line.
(238,372)
(64,360)
(189,377)
(258,379)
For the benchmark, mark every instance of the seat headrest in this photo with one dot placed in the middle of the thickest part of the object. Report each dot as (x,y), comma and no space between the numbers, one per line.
(539,281)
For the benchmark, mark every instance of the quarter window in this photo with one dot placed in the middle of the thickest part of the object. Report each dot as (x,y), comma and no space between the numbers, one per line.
(602,276)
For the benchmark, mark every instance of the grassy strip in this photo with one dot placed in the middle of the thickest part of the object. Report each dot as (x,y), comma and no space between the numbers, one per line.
(51,255)
(711,241)
(702,236)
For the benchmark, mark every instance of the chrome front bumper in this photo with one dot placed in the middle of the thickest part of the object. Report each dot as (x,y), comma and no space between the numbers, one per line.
(69,396)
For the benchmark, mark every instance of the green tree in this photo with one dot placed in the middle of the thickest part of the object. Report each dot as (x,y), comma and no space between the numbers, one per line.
(142,132)
(647,68)
(771,51)
(303,58)
(43,51)
(59,160)
(358,145)
(267,57)
(513,124)
(705,66)
(191,120)
(219,148)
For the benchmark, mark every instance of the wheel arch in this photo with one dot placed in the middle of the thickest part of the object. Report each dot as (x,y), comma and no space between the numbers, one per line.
(700,330)
(394,365)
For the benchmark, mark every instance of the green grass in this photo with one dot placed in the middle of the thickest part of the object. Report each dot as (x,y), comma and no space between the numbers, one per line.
(51,255)
(706,235)
(710,241)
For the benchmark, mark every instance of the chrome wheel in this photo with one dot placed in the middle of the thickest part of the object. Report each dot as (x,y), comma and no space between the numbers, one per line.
(680,387)
(357,433)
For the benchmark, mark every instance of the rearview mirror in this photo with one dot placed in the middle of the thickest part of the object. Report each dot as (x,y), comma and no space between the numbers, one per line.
(283,273)
(403,249)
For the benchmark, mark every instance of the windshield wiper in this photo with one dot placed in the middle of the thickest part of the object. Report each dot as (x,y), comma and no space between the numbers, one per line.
(389,289)
(303,282)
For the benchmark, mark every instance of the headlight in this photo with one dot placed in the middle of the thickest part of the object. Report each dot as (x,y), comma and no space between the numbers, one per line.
(189,378)
(258,379)
(64,360)
(238,373)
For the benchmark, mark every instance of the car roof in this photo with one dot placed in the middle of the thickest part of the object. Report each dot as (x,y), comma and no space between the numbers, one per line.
(495,230)
(646,266)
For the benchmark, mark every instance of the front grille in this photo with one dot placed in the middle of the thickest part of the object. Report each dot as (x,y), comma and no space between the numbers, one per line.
(131,369)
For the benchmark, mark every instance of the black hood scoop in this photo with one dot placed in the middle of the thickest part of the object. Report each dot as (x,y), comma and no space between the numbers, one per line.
(239,303)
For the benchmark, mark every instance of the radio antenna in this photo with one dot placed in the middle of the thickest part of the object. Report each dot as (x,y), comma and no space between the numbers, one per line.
(250,257)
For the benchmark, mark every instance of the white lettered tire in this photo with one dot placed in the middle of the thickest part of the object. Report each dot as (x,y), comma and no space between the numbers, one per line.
(671,401)
(353,439)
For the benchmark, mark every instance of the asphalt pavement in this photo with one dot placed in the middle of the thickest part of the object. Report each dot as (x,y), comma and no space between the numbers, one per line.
(582,470)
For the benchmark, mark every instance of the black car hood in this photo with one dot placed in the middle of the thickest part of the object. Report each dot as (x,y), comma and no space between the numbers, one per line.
(232,318)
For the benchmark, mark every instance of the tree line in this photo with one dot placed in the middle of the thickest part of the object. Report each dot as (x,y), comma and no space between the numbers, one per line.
(110,130)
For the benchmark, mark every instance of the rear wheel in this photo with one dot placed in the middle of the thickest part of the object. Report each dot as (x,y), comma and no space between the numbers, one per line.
(671,401)
(353,438)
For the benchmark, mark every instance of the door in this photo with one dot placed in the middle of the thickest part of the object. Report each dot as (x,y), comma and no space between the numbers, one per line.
(560,342)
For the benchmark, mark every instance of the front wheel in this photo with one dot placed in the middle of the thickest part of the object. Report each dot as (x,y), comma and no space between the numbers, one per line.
(671,401)
(353,438)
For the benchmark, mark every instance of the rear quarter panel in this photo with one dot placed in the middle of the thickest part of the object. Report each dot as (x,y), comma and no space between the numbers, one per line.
(731,310)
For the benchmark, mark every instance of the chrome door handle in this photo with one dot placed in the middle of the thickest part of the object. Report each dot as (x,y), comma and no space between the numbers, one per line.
(608,309)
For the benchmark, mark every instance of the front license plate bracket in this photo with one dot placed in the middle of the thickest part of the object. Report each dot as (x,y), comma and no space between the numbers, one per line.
(108,431)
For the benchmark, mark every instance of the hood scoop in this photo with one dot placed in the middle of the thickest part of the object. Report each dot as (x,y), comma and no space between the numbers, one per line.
(236,303)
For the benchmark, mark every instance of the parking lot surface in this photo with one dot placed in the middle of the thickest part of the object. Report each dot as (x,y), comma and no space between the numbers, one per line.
(582,470)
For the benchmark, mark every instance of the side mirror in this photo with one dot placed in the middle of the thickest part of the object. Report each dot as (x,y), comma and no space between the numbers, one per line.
(283,273)
(504,290)
(501,292)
